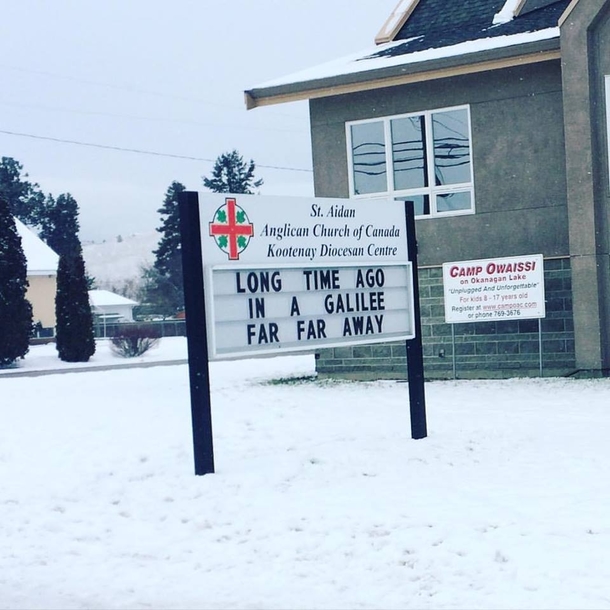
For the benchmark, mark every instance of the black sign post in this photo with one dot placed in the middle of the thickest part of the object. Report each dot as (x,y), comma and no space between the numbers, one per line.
(415,351)
(197,340)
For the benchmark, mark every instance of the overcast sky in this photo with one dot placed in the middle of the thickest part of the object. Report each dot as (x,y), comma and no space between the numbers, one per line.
(165,77)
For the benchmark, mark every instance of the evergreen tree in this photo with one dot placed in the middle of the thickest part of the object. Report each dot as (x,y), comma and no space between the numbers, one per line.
(161,294)
(59,225)
(164,279)
(25,199)
(75,340)
(231,174)
(15,309)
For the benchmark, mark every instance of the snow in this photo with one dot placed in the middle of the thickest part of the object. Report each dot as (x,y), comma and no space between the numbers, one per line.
(43,358)
(103,298)
(320,498)
(366,60)
(507,13)
(41,260)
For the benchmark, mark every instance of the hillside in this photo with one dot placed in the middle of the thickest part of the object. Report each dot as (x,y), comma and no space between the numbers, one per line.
(117,264)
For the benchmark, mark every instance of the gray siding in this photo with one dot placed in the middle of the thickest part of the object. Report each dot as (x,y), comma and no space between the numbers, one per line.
(521,208)
(518,159)
(482,349)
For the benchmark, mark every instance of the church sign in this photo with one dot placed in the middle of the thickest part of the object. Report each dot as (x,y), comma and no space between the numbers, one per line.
(293,274)
(264,275)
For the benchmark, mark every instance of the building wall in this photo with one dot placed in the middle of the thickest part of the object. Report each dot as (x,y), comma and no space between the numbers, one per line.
(480,349)
(585,44)
(41,294)
(518,159)
(521,208)
(125,312)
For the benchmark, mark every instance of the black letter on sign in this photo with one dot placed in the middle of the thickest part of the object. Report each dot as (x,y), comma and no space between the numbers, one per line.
(294,307)
(256,308)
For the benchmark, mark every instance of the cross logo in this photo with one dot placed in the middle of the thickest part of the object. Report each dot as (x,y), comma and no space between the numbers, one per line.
(231,229)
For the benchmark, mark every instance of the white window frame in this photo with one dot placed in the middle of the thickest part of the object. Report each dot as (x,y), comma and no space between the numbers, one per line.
(432,191)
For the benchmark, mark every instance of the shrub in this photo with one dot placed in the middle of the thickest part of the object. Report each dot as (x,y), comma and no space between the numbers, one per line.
(134,341)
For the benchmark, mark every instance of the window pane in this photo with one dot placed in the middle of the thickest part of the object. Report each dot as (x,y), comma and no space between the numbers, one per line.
(421,203)
(451,202)
(368,154)
(451,147)
(408,155)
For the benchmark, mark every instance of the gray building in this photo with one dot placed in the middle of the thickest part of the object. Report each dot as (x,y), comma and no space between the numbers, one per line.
(492,117)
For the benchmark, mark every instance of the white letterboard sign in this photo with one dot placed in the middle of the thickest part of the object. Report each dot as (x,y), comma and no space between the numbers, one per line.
(295,274)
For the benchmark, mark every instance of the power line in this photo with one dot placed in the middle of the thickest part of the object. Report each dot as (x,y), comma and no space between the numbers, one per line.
(233,125)
(137,150)
(131,89)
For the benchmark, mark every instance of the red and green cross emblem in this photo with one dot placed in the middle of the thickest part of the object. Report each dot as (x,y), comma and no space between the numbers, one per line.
(231,228)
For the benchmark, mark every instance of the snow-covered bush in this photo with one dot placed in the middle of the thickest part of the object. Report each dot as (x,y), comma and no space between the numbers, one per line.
(134,341)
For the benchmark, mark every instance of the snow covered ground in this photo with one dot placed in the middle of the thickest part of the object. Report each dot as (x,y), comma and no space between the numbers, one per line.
(43,358)
(320,499)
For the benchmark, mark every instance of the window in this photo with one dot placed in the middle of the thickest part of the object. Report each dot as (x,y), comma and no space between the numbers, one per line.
(425,158)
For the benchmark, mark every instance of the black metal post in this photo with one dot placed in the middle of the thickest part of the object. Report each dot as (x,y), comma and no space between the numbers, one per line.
(415,352)
(196,332)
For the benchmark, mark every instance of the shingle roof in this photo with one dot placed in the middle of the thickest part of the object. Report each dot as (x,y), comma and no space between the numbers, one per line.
(438,35)
(440,23)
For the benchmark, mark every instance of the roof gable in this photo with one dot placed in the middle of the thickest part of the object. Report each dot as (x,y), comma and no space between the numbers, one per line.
(41,260)
(395,21)
(526,6)
(436,23)
(439,15)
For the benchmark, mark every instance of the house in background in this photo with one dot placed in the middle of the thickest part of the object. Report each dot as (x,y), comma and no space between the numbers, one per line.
(492,117)
(42,265)
(109,307)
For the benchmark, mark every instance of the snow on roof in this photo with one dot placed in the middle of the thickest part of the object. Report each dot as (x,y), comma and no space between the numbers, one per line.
(373,59)
(399,15)
(41,260)
(105,298)
(436,34)
(508,12)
